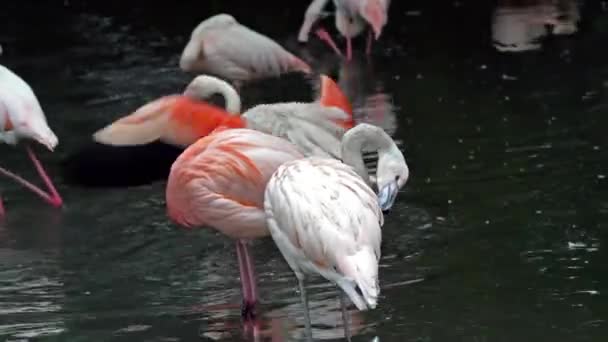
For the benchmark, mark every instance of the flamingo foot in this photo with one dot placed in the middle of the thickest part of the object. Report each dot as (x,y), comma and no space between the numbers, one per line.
(324,36)
(349,49)
(248,281)
(248,310)
(368,49)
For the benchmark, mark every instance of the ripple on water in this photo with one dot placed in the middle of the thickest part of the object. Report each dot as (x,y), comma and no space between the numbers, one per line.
(29,293)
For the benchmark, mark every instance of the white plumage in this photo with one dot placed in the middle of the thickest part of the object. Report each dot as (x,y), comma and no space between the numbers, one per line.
(223,47)
(326,220)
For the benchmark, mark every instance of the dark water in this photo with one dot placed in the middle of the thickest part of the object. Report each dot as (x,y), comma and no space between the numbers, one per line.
(499,235)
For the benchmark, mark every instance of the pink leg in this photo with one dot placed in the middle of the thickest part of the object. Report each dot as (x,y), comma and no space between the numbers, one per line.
(324,36)
(56,199)
(368,49)
(349,49)
(2,211)
(53,199)
(247,281)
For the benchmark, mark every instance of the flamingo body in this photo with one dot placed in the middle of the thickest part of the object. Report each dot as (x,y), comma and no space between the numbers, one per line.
(221,46)
(219,181)
(21,117)
(326,220)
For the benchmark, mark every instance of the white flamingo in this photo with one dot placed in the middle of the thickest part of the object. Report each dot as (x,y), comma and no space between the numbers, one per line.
(351,19)
(326,219)
(223,47)
(21,117)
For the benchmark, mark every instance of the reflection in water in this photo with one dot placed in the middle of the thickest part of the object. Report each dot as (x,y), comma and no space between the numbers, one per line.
(371,104)
(521,24)
(286,323)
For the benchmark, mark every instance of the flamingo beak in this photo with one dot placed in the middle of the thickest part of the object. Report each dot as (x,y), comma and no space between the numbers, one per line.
(387,195)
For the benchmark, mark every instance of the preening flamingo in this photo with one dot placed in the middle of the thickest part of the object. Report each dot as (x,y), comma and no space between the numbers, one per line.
(326,219)
(219,181)
(21,117)
(223,47)
(180,120)
(316,127)
(351,19)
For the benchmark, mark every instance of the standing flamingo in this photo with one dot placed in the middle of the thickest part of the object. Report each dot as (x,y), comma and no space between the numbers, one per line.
(180,120)
(219,181)
(221,46)
(351,19)
(326,219)
(21,117)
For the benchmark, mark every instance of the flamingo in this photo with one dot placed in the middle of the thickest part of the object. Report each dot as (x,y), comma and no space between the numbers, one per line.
(21,117)
(316,127)
(222,46)
(325,219)
(219,181)
(351,18)
(180,120)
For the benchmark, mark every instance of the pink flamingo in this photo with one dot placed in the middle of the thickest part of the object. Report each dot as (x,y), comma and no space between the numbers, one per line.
(21,117)
(351,18)
(223,47)
(219,181)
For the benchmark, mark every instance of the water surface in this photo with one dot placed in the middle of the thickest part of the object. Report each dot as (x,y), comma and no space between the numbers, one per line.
(498,236)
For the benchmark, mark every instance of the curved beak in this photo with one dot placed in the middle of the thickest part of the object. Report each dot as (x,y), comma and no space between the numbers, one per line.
(387,195)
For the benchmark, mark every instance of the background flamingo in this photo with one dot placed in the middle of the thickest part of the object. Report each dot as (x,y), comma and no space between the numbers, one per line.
(351,19)
(221,46)
(326,220)
(21,117)
(219,181)
(180,120)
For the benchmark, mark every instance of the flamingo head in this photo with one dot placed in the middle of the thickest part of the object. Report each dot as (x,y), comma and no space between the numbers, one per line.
(39,131)
(391,176)
(375,13)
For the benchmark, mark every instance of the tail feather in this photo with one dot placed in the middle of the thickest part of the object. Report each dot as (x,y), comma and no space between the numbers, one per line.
(332,96)
(362,269)
(147,124)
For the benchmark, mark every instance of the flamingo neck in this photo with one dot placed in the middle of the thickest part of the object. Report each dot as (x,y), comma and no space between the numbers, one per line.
(368,137)
(205,86)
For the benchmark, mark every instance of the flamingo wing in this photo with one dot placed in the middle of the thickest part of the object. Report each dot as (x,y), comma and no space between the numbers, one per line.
(324,215)
(248,54)
(221,178)
(312,127)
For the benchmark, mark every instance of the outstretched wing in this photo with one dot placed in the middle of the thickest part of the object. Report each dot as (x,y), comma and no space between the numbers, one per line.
(245,51)
(311,126)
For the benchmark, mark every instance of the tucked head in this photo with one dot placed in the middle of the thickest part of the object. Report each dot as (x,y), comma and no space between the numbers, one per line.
(391,176)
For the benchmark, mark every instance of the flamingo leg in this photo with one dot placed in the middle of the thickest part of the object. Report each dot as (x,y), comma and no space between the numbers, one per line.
(349,49)
(324,36)
(368,49)
(56,199)
(345,319)
(53,198)
(2,211)
(304,297)
(249,297)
